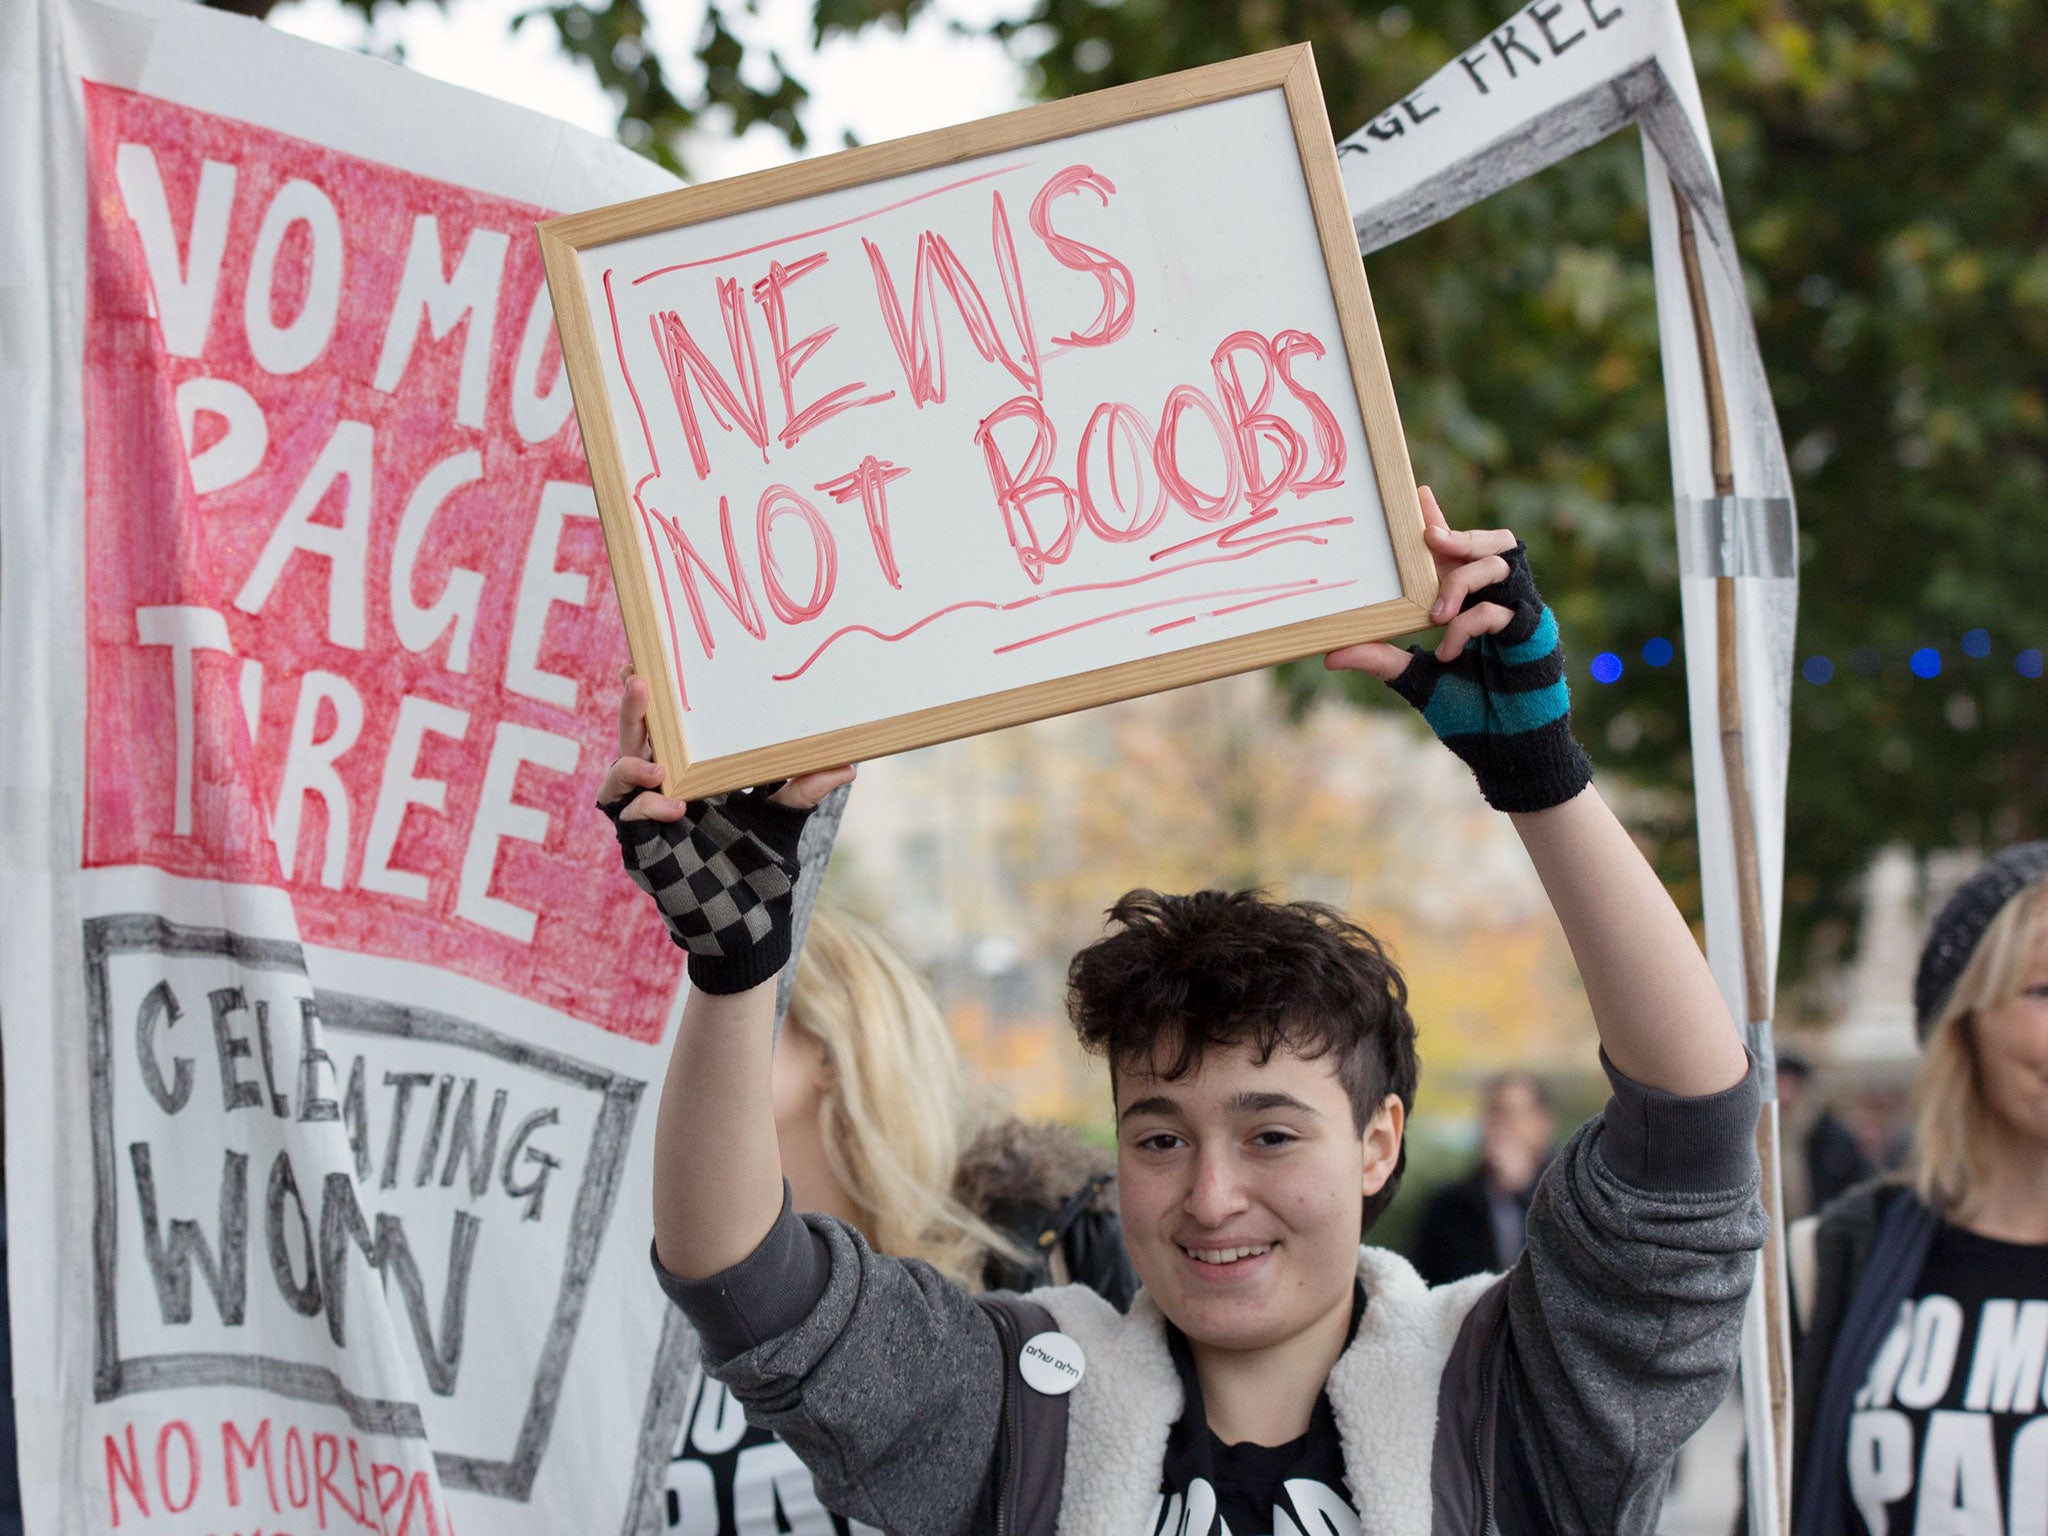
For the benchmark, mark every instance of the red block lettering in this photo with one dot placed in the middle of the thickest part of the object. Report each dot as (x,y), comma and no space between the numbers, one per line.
(919,346)
(327,1462)
(1119,291)
(234,1448)
(1166,455)
(387,1492)
(1250,421)
(297,1488)
(128,1469)
(1016,489)
(734,592)
(870,484)
(790,356)
(1329,435)
(419,1495)
(364,1492)
(190,1441)
(781,501)
(1111,422)
(736,404)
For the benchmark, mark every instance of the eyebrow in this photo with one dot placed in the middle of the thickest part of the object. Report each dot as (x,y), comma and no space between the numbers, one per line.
(1256,1103)
(1158,1104)
(1248,1102)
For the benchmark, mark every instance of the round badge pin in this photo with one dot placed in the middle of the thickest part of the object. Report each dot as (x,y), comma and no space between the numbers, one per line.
(1051,1363)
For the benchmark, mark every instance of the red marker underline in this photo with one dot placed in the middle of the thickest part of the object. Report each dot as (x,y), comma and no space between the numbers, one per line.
(1217,613)
(1274,537)
(1299,588)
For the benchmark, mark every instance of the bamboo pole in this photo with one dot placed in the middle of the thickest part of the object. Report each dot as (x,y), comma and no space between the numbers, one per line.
(1749,897)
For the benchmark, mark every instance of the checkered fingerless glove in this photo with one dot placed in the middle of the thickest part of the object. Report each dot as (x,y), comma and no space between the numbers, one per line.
(1503,705)
(724,877)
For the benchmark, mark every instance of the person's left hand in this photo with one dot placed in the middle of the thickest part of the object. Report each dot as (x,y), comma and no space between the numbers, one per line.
(1494,689)
(1467,560)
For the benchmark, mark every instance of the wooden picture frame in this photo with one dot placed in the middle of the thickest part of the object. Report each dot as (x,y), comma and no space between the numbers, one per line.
(1292,71)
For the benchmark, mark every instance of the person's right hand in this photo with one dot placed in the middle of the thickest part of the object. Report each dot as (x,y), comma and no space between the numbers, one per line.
(635,772)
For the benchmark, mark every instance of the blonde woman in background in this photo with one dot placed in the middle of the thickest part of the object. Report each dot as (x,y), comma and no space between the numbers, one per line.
(1924,1301)
(873,1105)
(879,1123)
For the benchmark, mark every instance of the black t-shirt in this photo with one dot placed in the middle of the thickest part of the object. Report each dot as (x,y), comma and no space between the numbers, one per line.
(1212,1489)
(727,1478)
(1948,1436)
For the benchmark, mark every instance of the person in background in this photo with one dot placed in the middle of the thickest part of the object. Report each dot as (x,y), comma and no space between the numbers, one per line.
(1921,1304)
(1831,1163)
(1880,1118)
(880,1125)
(1474,1226)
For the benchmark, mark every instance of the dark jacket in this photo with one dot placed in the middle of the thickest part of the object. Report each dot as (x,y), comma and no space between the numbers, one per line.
(1868,1249)
(1455,1236)
(1834,1163)
(1607,1345)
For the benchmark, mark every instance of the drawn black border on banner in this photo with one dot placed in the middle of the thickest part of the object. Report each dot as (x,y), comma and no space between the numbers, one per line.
(344,1013)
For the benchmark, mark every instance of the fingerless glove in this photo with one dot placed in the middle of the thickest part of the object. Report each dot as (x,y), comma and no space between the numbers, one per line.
(1502,704)
(724,877)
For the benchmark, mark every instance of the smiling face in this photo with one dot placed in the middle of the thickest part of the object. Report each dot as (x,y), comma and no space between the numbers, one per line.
(2011,1039)
(1241,1186)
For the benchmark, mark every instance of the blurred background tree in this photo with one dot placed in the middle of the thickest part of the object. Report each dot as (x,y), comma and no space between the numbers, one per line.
(1886,164)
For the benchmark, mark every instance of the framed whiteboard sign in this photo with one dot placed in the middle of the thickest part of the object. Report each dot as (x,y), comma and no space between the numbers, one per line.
(945,434)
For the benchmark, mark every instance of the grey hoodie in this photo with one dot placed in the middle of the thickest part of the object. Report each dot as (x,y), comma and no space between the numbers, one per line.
(1605,1346)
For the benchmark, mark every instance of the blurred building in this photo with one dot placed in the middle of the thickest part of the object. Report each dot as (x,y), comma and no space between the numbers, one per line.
(992,860)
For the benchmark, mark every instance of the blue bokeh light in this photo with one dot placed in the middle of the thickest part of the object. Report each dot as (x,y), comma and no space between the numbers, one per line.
(2028,662)
(1865,660)
(1817,670)
(1658,652)
(1926,662)
(1606,668)
(1977,643)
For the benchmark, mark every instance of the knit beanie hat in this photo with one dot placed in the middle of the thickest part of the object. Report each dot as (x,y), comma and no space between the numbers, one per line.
(1962,923)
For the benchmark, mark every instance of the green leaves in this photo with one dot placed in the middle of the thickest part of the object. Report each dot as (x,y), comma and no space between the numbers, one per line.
(657,117)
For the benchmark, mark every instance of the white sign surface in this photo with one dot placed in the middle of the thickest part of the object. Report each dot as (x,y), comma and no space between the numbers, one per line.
(995,422)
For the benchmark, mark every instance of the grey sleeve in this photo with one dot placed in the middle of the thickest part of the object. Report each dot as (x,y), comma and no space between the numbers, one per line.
(1625,1309)
(883,1376)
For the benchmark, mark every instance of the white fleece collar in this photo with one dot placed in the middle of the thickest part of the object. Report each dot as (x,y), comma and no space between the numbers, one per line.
(1383,1391)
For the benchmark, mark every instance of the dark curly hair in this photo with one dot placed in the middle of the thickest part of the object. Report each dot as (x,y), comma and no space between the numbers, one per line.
(1177,975)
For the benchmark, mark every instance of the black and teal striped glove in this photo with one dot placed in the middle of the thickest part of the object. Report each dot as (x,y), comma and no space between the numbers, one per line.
(1502,704)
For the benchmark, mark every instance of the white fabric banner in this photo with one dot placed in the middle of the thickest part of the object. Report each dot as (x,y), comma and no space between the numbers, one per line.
(1554,78)
(330,1021)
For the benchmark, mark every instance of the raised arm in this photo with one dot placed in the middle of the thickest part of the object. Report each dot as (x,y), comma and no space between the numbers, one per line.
(717,1170)
(1494,690)
(1661,1016)
(885,1377)
(1625,1311)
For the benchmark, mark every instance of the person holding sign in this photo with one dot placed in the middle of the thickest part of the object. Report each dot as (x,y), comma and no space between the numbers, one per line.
(1273,1374)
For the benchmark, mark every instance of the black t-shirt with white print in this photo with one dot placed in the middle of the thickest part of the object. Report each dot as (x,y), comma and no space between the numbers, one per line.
(1209,1488)
(1949,1436)
(727,1478)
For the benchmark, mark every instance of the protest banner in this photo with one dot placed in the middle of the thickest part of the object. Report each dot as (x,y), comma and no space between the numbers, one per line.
(1553,78)
(1009,419)
(329,1016)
